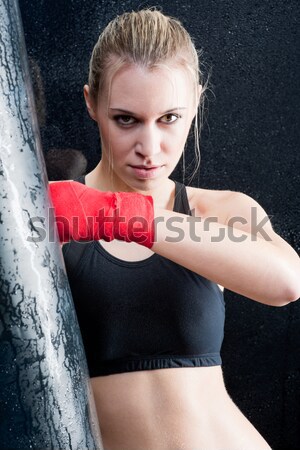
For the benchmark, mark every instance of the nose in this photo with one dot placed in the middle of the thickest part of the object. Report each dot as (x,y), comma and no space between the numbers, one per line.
(148,141)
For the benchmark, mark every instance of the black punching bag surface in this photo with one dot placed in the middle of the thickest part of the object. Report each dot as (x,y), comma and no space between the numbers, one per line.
(45,395)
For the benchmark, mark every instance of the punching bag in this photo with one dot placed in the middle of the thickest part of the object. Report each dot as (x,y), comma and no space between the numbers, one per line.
(45,395)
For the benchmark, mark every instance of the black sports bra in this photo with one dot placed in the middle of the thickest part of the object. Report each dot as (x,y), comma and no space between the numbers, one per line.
(143,315)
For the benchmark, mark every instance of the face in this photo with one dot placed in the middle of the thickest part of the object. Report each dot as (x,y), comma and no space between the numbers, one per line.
(144,124)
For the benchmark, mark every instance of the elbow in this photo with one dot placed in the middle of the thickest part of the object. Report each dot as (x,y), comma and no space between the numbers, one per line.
(290,291)
(294,284)
(293,293)
(291,296)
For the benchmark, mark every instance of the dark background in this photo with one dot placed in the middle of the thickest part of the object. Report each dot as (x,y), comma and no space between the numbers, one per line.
(249,144)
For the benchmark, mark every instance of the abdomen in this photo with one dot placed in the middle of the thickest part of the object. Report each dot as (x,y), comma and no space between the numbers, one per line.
(186,408)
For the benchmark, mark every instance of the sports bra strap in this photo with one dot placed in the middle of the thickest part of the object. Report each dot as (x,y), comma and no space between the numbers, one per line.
(80,179)
(181,203)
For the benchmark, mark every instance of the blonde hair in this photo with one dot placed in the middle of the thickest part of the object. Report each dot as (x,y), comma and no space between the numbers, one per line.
(146,38)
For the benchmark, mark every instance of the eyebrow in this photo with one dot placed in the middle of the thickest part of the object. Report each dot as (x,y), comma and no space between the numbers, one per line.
(130,113)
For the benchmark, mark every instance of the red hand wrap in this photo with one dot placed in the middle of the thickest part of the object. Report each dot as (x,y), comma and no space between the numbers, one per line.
(85,214)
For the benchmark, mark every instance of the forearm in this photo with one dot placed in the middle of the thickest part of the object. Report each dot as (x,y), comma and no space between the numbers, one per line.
(239,261)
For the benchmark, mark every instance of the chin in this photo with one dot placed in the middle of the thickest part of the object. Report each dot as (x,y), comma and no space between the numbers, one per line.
(145,185)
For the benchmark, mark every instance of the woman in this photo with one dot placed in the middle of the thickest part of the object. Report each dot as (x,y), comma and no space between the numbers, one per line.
(152,315)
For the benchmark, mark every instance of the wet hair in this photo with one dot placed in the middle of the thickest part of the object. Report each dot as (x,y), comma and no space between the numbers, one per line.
(150,39)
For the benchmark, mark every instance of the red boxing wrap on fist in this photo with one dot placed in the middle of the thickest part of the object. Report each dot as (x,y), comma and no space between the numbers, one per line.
(85,214)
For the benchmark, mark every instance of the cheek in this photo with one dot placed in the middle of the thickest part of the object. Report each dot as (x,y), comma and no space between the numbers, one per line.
(179,134)
(120,145)
(122,142)
(114,138)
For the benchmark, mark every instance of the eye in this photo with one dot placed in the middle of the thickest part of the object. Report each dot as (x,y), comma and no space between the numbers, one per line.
(124,120)
(170,118)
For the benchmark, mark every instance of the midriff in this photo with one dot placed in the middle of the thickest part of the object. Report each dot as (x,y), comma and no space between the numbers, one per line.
(171,409)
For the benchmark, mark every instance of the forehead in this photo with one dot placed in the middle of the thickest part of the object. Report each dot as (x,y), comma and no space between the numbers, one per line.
(138,88)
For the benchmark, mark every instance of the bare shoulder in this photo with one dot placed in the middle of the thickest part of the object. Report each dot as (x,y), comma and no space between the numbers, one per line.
(210,202)
(236,210)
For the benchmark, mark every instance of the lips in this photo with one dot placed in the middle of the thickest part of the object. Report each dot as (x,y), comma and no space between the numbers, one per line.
(145,167)
(146,172)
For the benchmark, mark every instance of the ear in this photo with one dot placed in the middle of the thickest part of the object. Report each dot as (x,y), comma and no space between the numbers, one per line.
(90,104)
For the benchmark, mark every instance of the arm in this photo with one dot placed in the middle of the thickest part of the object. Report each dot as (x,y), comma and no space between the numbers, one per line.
(239,254)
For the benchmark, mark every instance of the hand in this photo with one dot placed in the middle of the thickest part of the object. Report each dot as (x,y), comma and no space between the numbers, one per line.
(85,214)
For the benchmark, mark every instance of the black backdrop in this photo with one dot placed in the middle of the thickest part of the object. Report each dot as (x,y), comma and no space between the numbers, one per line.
(249,144)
